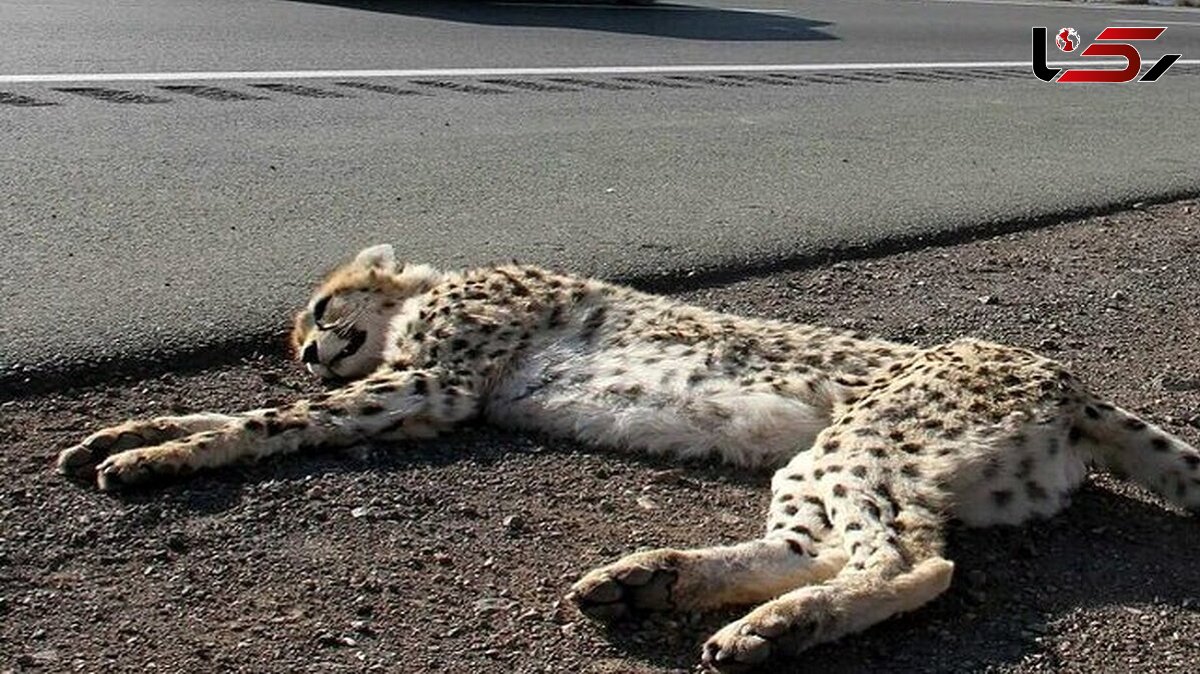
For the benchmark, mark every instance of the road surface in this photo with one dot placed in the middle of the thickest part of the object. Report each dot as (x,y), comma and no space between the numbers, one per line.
(148,215)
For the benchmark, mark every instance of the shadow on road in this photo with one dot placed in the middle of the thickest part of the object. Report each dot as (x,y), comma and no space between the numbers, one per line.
(1013,586)
(688,22)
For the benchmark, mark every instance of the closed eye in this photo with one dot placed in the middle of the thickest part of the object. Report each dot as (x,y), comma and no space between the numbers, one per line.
(318,311)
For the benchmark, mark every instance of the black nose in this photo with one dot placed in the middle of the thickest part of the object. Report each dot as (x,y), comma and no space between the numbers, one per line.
(310,355)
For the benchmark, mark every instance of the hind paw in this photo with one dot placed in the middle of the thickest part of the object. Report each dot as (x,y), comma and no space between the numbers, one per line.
(640,582)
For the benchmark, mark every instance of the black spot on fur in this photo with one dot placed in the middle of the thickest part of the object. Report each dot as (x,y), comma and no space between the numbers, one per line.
(839,490)
(1192,461)
(859,471)
(1024,467)
(796,547)
(1074,435)
(1035,491)
(253,425)
(1091,412)
(1002,497)
(885,493)
(1135,424)
(1160,444)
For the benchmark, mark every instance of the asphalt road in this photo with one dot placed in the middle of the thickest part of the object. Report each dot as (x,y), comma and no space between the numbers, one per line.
(141,223)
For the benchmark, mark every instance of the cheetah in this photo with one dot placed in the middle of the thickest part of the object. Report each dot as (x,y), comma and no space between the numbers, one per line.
(876,445)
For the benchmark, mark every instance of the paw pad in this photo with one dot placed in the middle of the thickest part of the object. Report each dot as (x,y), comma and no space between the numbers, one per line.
(615,592)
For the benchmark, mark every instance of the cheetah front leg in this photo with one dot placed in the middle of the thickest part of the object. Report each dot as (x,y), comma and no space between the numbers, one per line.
(412,403)
(81,459)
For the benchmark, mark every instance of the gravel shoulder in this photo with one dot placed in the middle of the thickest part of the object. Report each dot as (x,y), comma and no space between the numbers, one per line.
(452,556)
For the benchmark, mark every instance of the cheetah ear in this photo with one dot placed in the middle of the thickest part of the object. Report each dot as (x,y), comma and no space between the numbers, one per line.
(381,257)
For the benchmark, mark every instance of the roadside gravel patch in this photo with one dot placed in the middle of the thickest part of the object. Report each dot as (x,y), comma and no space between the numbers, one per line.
(453,555)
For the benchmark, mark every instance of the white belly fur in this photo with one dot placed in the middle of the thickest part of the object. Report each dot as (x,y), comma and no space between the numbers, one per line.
(616,399)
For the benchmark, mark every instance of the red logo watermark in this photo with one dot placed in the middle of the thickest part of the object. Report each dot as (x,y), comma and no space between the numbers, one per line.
(1112,41)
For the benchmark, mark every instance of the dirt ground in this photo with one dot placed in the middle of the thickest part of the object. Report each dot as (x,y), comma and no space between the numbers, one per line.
(452,556)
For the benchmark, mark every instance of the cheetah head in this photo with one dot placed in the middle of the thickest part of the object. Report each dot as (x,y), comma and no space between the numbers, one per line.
(342,331)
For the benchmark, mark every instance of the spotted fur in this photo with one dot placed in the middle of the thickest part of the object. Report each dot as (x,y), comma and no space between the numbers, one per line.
(877,444)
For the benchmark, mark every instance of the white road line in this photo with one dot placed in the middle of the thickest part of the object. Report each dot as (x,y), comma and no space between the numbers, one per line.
(58,78)
(657,8)
(1059,4)
(1158,21)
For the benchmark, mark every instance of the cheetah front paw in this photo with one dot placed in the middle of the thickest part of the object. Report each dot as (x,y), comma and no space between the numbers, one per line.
(81,460)
(125,469)
(641,582)
(748,643)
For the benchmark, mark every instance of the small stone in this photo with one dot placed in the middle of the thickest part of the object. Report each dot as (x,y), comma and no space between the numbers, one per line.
(668,476)
(989,300)
(646,503)
(1177,382)
(327,638)
(1048,345)
(360,512)
(176,541)
(514,523)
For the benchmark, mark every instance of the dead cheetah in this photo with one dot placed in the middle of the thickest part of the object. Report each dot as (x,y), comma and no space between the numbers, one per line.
(879,443)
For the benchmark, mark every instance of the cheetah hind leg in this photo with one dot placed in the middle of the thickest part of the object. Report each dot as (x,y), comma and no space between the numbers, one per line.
(800,619)
(80,460)
(702,579)
(891,569)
